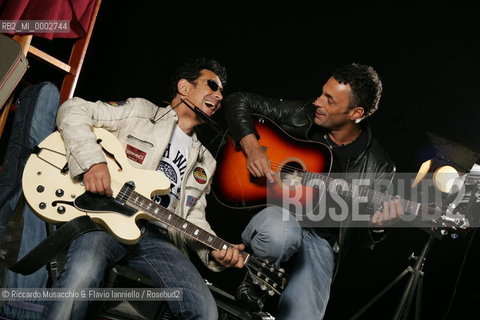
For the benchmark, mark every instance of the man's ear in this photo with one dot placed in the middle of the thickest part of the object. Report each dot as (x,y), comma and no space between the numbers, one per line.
(182,86)
(356,113)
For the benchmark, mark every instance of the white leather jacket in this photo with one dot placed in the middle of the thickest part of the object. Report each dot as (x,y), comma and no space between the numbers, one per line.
(130,122)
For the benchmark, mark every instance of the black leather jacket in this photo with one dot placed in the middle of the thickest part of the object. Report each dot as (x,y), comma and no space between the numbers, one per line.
(296,118)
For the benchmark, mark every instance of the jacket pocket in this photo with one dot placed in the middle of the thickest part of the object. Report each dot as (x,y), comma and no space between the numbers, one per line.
(138,149)
(140,140)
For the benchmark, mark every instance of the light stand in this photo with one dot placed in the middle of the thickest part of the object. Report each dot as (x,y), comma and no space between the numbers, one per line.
(450,158)
(414,286)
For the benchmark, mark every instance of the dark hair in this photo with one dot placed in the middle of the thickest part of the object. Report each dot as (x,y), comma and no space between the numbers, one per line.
(191,69)
(365,83)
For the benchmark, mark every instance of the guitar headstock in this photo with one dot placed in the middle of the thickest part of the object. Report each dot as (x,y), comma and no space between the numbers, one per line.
(266,276)
(457,198)
(459,215)
(453,222)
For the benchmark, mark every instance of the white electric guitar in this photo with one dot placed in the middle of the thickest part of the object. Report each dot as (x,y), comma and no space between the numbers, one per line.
(56,197)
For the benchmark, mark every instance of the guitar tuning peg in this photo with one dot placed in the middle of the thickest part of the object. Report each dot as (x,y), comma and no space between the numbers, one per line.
(263,287)
(255,281)
(271,293)
(281,270)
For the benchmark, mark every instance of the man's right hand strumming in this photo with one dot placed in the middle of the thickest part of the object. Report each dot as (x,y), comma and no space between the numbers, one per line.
(97,179)
(257,161)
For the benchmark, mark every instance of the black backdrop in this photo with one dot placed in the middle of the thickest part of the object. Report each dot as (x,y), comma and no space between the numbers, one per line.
(427,57)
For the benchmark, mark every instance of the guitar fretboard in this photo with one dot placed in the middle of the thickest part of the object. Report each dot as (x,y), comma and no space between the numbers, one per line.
(349,190)
(130,197)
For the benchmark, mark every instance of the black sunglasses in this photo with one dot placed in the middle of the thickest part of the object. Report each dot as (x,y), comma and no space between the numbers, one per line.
(210,83)
(213,85)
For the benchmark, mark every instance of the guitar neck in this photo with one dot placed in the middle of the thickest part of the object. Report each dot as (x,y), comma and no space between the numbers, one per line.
(349,190)
(135,200)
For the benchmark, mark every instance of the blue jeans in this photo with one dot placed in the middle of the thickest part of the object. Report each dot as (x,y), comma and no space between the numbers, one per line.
(93,253)
(274,234)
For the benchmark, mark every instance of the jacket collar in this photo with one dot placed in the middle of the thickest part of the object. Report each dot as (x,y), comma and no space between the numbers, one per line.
(169,113)
(364,124)
(366,127)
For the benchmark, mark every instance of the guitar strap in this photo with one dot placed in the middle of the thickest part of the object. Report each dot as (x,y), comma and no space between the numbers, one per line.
(10,244)
(45,250)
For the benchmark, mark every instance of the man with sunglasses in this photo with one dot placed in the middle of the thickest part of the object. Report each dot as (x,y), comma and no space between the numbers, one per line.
(153,138)
(350,95)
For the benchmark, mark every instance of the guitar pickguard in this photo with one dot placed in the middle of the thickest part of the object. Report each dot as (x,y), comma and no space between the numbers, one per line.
(91,202)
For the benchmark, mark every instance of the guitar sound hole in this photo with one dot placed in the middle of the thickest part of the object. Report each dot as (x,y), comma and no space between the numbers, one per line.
(291,173)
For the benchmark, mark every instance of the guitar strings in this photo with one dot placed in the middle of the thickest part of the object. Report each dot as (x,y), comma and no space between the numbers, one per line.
(383,196)
(139,203)
(305,174)
(251,262)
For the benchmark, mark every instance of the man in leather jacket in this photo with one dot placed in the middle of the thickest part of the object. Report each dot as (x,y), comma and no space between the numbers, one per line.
(349,96)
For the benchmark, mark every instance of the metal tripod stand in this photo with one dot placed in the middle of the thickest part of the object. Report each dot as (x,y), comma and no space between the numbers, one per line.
(414,286)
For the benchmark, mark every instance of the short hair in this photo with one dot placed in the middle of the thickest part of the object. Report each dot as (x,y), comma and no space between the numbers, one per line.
(365,83)
(191,69)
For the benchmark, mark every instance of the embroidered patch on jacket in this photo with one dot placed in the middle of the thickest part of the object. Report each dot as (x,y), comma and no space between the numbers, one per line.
(116,103)
(135,154)
(191,201)
(200,175)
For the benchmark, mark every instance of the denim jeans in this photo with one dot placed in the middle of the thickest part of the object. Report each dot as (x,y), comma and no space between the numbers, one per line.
(34,232)
(274,234)
(91,254)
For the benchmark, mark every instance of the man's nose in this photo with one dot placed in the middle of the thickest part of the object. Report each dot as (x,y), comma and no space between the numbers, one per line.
(219,95)
(318,102)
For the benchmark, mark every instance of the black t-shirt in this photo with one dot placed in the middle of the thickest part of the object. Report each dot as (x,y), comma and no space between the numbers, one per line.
(341,155)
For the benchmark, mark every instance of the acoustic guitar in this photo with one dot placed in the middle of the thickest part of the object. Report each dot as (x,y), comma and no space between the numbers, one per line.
(302,171)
